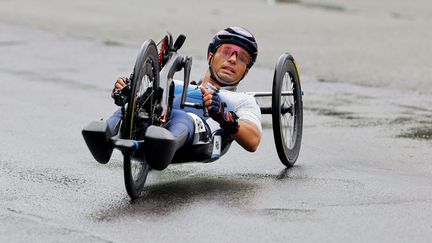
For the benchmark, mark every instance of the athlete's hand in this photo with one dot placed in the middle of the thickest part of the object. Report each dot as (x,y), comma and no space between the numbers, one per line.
(121,82)
(211,100)
(119,93)
(217,111)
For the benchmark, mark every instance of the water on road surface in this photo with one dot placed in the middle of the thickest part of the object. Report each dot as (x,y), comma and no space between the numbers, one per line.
(364,171)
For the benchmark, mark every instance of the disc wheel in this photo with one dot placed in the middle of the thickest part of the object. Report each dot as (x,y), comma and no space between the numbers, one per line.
(287,110)
(141,112)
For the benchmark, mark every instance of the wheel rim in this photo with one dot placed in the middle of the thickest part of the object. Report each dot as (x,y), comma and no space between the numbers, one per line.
(288,111)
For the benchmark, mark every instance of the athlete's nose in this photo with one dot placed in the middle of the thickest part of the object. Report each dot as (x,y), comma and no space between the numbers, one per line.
(232,58)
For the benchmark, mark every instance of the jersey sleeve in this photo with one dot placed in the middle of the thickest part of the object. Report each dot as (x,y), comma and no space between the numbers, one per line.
(249,110)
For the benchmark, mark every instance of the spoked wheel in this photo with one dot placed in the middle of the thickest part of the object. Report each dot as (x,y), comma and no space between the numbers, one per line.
(287,110)
(141,112)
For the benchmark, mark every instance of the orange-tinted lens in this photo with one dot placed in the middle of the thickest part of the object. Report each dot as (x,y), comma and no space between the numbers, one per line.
(242,56)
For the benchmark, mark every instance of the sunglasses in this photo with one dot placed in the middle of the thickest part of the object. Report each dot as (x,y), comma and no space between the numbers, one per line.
(226,51)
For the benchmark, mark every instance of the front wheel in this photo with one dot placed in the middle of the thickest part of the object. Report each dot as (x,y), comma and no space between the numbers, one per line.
(135,175)
(141,112)
(287,110)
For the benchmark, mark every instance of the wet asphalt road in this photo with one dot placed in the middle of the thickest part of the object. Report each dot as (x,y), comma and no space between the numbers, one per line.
(364,172)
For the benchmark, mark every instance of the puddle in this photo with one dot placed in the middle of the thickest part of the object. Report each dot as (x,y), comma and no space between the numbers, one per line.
(41,176)
(112,43)
(328,112)
(419,133)
(401,121)
(366,123)
(11,43)
(415,108)
(402,16)
(285,214)
(325,6)
(352,120)
(355,97)
(271,2)
(323,80)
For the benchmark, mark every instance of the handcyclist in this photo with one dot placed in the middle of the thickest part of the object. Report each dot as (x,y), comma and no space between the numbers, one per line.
(232,115)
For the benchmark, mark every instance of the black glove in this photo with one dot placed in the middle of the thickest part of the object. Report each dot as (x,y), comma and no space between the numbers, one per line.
(227,120)
(121,96)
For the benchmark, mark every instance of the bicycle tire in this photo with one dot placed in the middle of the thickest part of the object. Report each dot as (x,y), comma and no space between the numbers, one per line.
(287,111)
(140,113)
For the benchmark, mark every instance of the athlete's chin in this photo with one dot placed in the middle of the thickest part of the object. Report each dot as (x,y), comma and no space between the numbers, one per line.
(227,80)
(227,76)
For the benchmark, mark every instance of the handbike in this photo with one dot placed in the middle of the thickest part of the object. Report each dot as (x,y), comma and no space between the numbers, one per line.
(140,135)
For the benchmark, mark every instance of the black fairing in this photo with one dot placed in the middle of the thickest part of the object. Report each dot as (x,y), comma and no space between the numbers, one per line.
(161,145)
(97,137)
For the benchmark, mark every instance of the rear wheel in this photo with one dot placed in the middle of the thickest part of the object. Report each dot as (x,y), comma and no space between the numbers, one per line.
(142,111)
(287,110)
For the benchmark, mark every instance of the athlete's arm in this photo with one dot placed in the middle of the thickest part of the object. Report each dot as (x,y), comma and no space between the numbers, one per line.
(248,136)
(244,132)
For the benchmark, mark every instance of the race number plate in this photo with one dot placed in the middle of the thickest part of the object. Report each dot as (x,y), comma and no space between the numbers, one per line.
(217,144)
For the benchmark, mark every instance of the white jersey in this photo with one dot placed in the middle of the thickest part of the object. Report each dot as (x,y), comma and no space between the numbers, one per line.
(244,105)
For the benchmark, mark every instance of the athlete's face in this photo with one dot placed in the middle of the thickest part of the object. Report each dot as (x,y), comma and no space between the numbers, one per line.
(229,63)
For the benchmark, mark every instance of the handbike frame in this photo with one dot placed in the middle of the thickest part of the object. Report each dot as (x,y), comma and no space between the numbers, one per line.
(267,109)
(175,63)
